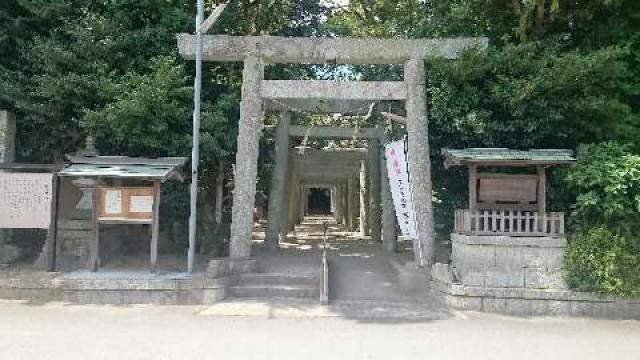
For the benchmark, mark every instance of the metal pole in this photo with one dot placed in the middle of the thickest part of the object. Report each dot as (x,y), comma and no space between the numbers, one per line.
(195,153)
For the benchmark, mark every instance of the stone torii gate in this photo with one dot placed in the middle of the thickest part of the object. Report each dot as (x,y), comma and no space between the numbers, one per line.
(343,166)
(327,96)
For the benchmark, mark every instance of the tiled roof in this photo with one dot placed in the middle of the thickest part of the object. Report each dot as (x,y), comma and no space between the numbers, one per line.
(124,167)
(503,155)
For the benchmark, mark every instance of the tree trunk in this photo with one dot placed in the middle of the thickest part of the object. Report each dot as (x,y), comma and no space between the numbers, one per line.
(540,15)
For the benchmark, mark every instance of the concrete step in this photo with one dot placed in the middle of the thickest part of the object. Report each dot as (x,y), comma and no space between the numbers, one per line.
(75,225)
(259,279)
(274,291)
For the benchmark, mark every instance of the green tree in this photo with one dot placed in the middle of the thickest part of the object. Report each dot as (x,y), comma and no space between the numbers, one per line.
(607,187)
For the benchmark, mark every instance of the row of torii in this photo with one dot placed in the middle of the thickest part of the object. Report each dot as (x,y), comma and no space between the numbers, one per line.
(321,96)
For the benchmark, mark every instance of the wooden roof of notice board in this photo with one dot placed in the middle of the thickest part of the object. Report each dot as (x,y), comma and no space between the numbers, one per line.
(507,157)
(125,167)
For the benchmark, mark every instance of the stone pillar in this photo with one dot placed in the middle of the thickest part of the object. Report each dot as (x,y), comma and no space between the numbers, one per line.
(336,203)
(291,196)
(7,136)
(364,199)
(299,203)
(344,204)
(389,236)
(340,203)
(333,200)
(374,193)
(278,181)
(8,253)
(296,202)
(295,199)
(302,204)
(249,131)
(305,208)
(419,160)
(286,199)
(351,203)
(219,193)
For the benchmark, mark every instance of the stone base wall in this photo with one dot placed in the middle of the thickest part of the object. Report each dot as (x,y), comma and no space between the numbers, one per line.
(508,262)
(74,238)
(528,301)
(49,287)
(8,253)
(537,302)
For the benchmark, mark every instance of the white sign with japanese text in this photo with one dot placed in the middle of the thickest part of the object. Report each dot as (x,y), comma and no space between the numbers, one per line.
(400,187)
(25,200)
(113,202)
(141,204)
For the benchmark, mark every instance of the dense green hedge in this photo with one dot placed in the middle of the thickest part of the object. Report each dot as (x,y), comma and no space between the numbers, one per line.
(602,261)
(603,254)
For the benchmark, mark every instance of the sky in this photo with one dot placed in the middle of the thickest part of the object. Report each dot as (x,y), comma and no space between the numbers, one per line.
(335,2)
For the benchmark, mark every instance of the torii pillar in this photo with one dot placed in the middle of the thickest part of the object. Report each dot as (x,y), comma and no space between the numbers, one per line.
(364,198)
(249,131)
(374,189)
(419,161)
(389,236)
(278,182)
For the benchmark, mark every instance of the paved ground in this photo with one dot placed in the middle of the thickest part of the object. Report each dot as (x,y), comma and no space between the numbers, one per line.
(58,331)
(359,269)
(401,320)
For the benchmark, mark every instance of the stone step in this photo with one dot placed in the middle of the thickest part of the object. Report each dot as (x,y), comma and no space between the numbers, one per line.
(75,225)
(274,291)
(75,234)
(277,279)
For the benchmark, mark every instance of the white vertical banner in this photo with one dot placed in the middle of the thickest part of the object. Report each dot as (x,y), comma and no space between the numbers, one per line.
(400,187)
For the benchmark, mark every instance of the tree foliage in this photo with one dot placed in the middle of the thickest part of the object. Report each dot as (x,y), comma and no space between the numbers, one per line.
(607,184)
(604,251)
(558,73)
(602,261)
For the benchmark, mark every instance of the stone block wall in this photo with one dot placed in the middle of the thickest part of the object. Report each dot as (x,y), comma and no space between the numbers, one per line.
(508,262)
(42,287)
(74,237)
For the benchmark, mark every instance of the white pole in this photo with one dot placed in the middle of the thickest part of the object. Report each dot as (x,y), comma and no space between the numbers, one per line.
(195,153)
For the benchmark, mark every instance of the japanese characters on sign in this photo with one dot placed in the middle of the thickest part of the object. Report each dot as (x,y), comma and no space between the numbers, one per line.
(126,203)
(25,200)
(400,187)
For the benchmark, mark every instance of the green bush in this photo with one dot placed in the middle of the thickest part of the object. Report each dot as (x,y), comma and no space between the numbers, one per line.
(607,187)
(604,252)
(601,261)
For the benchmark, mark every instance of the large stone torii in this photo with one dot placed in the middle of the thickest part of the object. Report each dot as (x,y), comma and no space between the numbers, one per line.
(254,51)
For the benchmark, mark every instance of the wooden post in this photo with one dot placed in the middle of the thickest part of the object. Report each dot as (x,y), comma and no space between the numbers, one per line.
(52,235)
(155,226)
(473,187)
(94,251)
(542,189)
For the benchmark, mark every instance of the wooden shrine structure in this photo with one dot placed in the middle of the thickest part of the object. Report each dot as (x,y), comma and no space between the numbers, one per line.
(511,198)
(137,202)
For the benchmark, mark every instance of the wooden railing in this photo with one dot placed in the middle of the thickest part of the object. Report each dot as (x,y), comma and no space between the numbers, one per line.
(509,222)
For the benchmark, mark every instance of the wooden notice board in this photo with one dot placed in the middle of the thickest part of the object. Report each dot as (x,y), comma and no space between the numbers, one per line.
(127,204)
